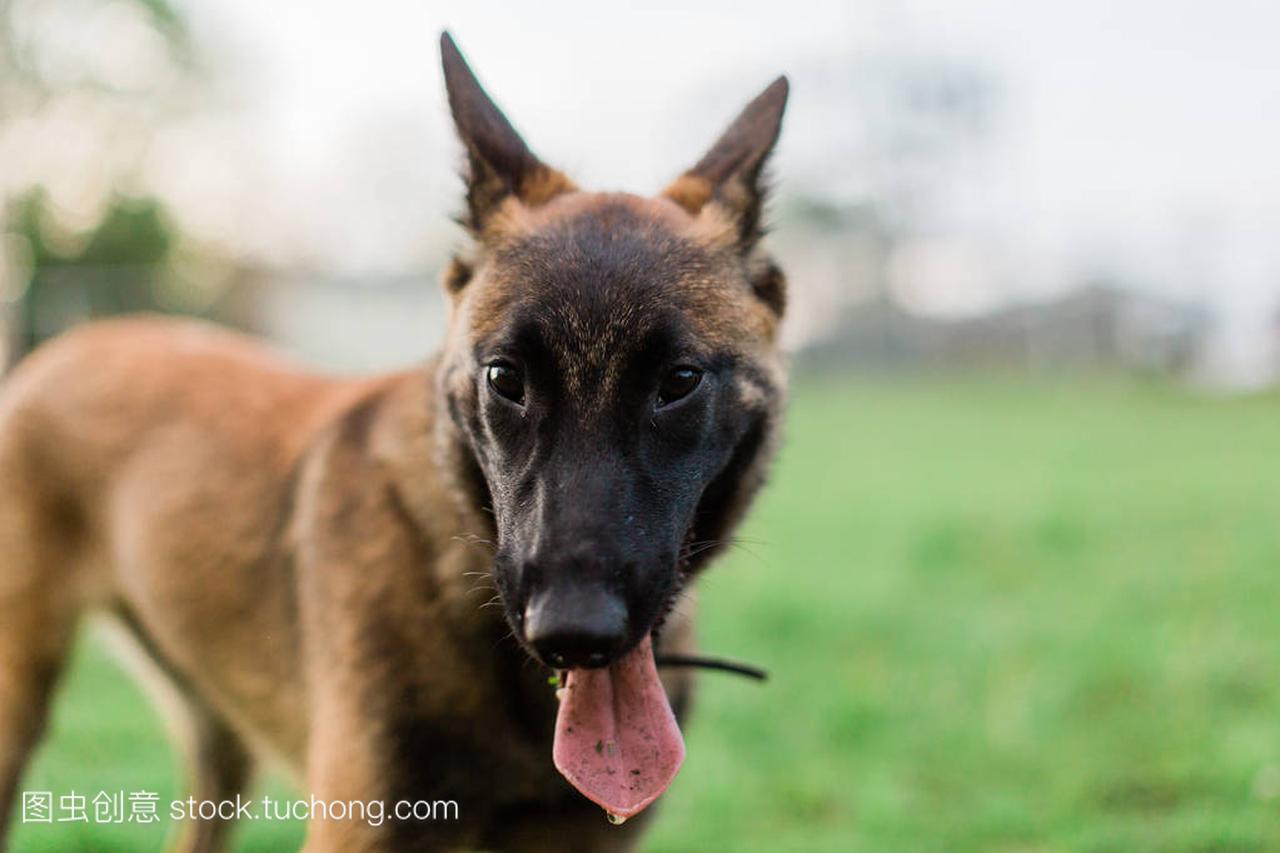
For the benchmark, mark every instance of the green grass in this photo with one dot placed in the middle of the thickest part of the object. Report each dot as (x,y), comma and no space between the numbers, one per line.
(998,616)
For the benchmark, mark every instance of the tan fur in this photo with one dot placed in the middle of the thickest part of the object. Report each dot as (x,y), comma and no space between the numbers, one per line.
(690,192)
(543,185)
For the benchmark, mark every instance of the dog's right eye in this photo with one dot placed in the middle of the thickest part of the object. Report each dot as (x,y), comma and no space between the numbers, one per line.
(506,379)
(678,384)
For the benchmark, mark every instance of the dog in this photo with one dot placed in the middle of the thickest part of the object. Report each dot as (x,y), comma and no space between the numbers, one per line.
(301,562)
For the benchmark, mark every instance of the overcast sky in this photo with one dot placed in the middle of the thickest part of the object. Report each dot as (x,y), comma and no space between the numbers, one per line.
(1140,136)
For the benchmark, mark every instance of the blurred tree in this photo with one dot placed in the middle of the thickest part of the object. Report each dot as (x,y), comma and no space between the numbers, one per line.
(58,64)
(132,232)
(26,47)
(113,269)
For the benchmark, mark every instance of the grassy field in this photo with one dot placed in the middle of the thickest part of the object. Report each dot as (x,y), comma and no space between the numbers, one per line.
(998,616)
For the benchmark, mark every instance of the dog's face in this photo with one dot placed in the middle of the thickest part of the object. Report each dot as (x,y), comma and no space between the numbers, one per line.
(611,365)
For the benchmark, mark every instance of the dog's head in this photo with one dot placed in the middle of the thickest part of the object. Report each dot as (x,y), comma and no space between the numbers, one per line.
(612,368)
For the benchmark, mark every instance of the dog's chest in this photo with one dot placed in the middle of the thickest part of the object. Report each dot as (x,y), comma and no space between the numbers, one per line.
(491,750)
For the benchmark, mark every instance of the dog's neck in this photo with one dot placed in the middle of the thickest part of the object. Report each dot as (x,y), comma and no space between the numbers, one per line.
(433,472)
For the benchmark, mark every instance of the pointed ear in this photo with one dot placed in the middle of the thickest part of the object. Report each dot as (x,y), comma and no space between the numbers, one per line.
(731,172)
(499,164)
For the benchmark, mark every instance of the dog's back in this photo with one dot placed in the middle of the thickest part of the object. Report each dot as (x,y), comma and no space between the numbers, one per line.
(145,473)
(151,440)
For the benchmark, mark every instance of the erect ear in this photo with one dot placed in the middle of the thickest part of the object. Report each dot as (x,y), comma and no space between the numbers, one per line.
(731,172)
(499,164)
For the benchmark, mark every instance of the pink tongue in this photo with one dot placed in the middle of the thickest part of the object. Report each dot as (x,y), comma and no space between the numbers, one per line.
(616,739)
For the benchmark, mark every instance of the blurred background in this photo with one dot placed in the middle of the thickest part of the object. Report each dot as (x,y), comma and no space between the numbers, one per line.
(1017,571)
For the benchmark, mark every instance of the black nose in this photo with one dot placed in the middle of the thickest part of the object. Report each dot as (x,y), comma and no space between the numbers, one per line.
(572,628)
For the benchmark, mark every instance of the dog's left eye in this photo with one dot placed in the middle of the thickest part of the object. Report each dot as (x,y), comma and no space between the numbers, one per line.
(677,384)
(506,379)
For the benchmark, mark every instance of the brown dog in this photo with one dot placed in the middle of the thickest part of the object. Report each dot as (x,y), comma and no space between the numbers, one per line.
(304,560)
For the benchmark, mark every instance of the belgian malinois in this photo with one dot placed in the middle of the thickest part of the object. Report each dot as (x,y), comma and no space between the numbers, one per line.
(303,561)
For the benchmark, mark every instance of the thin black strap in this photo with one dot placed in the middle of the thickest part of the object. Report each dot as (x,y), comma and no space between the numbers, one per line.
(719,664)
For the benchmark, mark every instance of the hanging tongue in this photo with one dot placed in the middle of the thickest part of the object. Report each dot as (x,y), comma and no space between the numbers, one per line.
(616,739)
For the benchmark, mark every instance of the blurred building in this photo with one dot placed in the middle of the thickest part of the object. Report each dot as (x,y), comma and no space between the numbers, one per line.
(1098,327)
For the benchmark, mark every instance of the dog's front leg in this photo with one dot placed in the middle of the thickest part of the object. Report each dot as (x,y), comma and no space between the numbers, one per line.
(341,772)
(370,775)
(375,651)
